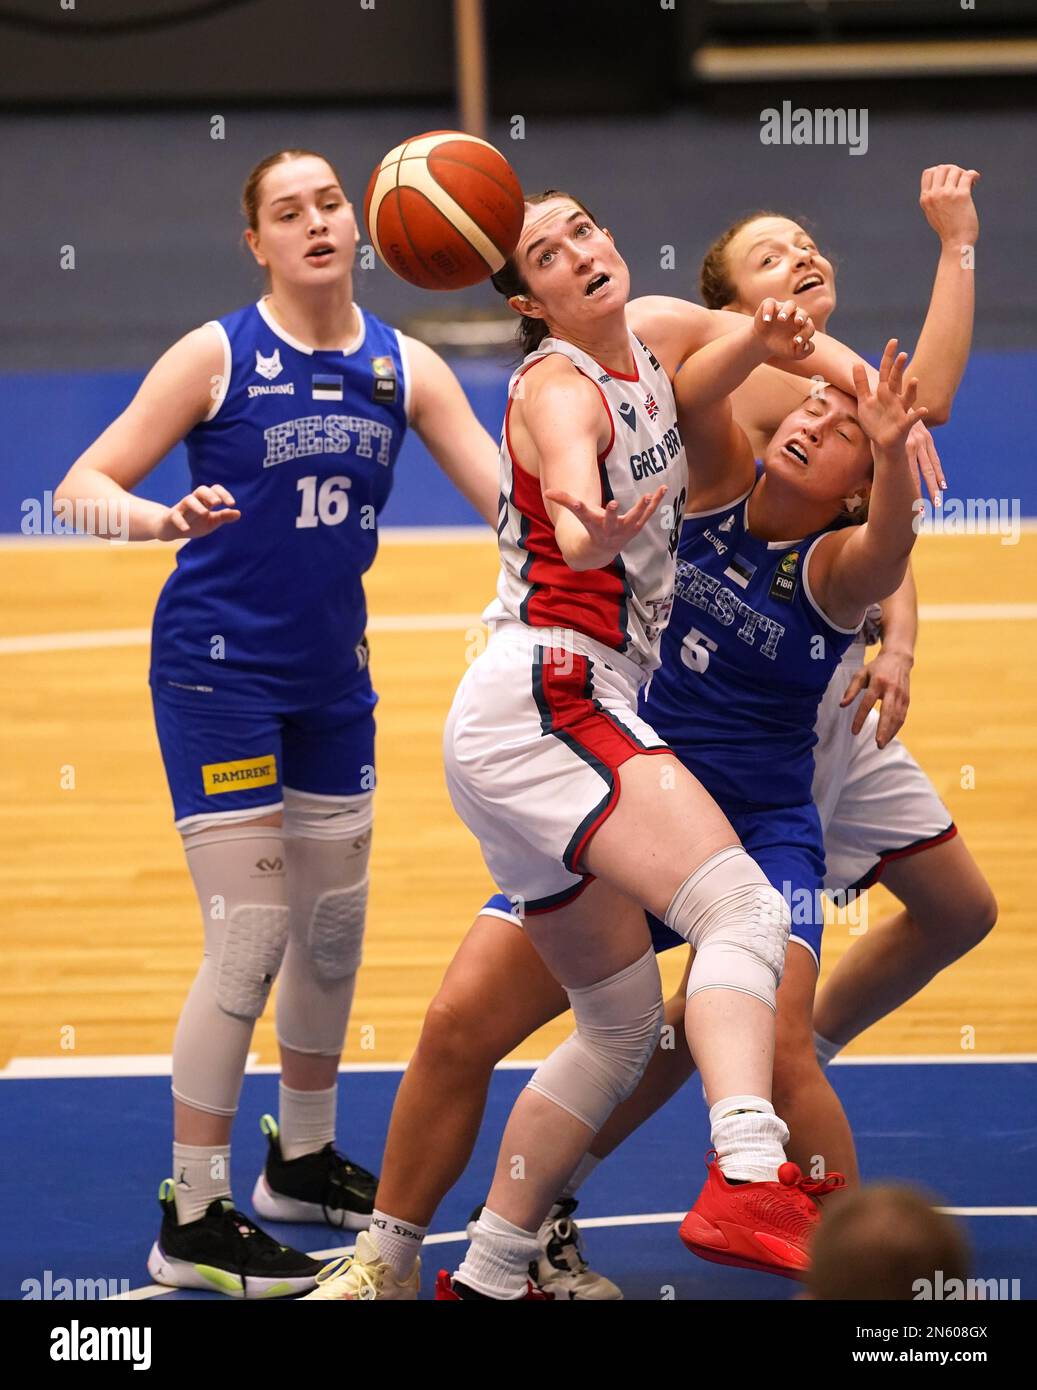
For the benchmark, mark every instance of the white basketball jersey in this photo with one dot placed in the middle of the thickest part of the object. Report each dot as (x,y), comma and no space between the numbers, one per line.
(626,605)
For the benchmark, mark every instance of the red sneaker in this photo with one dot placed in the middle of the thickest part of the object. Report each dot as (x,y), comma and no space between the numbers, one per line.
(445,1291)
(767,1226)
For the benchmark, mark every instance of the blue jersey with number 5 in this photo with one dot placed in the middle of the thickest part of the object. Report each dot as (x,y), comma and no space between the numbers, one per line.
(269,610)
(746,659)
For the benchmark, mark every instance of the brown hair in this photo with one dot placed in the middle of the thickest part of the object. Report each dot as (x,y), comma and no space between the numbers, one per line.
(510,281)
(876,1243)
(250,197)
(715,284)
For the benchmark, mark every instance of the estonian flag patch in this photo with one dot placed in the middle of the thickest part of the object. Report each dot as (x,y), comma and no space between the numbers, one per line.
(740,570)
(327,388)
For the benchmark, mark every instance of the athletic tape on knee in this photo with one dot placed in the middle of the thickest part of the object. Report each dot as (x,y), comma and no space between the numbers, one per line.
(618,1022)
(336,936)
(737,923)
(253,947)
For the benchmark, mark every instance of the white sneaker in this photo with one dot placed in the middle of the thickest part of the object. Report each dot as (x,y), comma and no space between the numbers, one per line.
(561,1269)
(365,1276)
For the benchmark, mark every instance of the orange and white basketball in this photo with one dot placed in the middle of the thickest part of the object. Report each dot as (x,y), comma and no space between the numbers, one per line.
(444,210)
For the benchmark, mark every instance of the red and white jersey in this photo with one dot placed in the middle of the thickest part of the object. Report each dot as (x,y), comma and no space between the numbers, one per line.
(626,605)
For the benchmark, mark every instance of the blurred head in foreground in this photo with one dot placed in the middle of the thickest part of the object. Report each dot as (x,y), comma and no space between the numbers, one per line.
(878,1242)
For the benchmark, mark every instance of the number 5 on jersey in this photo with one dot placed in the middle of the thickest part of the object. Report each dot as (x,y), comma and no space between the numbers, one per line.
(328,504)
(695,650)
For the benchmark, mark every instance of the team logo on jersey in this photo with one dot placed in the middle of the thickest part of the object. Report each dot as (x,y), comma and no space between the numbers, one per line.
(740,571)
(604,379)
(271,366)
(628,415)
(384,388)
(783,585)
(651,407)
(326,388)
(726,525)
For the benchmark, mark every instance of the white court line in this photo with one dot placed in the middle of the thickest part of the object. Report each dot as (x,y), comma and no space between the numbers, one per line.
(470,534)
(977,612)
(654,1218)
(454,622)
(158,1064)
(475,534)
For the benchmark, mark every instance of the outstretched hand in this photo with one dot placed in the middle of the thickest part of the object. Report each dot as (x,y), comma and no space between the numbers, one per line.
(608,531)
(888,413)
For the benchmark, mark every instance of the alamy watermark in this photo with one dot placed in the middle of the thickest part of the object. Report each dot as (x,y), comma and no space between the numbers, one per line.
(57,1288)
(89,516)
(939,1289)
(826,125)
(970,516)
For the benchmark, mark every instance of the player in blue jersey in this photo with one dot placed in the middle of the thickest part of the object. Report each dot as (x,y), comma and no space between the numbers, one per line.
(880,812)
(293,410)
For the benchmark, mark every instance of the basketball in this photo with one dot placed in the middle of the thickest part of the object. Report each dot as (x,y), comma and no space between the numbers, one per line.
(444,210)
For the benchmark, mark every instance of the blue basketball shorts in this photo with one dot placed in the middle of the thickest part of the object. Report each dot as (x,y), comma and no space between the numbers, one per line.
(234,763)
(786,843)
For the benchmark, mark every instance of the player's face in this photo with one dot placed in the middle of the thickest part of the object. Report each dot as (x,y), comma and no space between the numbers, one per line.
(307,228)
(821,451)
(772,256)
(571,266)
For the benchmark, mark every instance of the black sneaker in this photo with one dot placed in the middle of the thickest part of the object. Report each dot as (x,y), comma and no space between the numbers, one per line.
(321,1186)
(227,1253)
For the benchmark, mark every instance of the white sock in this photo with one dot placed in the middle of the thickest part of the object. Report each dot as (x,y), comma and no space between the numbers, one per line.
(398,1242)
(584,1169)
(826,1049)
(748,1138)
(497,1263)
(306,1120)
(200,1174)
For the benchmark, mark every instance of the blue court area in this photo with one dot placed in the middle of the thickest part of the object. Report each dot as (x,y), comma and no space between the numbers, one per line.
(84,1158)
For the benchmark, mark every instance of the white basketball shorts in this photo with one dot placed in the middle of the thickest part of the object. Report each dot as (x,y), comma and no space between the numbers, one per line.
(539,727)
(876,804)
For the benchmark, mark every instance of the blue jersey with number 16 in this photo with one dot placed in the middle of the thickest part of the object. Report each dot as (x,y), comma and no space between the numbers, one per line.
(269,610)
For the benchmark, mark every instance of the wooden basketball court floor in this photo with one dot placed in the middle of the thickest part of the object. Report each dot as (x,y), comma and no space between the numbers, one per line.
(102,931)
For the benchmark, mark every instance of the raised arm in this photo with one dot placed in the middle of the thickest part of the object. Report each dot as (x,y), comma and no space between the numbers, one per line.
(446,424)
(943,345)
(175,395)
(861,565)
(720,456)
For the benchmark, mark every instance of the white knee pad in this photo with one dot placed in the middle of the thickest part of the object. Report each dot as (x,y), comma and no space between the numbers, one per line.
(239,875)
(329,846)
(737,923)
(254,942)
(329,881)
(618,1022)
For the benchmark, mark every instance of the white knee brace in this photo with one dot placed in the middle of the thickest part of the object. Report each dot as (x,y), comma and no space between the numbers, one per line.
(618,1022)
(328,843)
(239,875)
(737,923)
